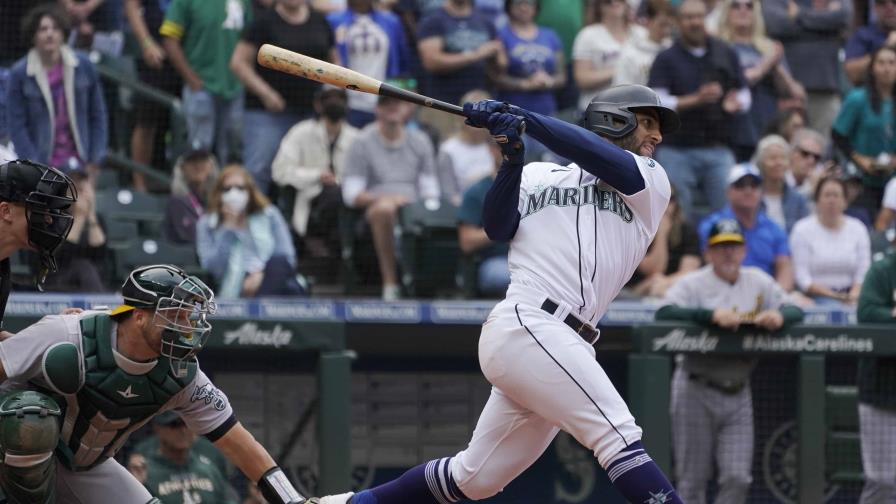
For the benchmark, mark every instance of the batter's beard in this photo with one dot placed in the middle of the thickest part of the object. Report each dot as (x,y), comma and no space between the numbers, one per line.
(628,142)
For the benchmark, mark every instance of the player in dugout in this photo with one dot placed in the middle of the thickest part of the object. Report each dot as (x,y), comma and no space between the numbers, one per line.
(712,404)
(75,386)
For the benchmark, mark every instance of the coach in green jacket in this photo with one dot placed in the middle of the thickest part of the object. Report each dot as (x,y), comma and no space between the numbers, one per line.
(877,387)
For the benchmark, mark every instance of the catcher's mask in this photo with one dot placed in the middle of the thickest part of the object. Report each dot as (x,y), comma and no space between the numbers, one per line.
(47,195)
(181,304)
(612,111)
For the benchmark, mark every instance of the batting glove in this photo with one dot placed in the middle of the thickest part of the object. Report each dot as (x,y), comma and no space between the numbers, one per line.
(507,130)
(478,113)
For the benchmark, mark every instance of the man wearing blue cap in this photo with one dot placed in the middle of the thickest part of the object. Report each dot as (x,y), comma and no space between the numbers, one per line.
(766,242)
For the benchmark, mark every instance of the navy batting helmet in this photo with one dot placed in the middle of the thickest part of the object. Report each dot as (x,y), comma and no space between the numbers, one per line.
(612,112)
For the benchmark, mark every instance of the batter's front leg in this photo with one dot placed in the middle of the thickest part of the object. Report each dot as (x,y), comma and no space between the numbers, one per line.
(508,439)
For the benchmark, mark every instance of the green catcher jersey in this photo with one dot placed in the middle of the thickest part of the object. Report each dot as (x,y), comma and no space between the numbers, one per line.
(104,395)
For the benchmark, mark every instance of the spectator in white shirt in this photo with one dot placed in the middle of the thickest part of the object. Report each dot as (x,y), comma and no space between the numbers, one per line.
(638,52)
(310,159)
(831,251)
(887,212)
(465,157)
(597,48)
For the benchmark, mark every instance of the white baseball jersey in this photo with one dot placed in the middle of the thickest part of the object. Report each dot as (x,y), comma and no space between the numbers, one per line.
(579,240)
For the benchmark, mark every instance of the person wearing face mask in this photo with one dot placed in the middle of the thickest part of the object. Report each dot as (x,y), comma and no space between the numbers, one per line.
(244,241)
(194,176)
(311,159)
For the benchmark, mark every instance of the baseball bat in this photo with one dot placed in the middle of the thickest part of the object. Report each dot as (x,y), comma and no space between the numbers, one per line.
(277,58)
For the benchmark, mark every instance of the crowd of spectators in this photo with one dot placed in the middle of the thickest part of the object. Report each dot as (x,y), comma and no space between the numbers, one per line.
(782,169)
(777,132)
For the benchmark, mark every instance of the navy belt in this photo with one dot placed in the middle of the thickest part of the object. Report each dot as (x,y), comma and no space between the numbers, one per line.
(581,328)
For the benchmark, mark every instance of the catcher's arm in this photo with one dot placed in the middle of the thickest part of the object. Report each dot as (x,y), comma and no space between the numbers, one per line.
(241,449)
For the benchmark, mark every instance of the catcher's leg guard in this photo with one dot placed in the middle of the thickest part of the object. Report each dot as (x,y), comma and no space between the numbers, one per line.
(29,431)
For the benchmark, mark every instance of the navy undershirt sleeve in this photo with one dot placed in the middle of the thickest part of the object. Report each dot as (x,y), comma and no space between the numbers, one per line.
(599,157)
(500,214)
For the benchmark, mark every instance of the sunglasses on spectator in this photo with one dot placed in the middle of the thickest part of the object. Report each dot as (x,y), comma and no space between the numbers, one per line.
(746,182)
(229,187)
(806,153)
(884,2)
(745,5)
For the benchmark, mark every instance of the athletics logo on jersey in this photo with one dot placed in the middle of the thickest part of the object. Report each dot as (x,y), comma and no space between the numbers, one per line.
(598,194)
(210,395)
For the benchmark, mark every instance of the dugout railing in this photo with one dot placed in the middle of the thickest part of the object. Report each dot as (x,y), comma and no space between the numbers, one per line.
(650,370)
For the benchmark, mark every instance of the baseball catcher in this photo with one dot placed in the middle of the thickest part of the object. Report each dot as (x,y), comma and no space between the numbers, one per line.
(75,386)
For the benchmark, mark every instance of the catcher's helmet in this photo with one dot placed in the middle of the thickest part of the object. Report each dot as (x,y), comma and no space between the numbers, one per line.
(612,111)
(181,303)
(47,195)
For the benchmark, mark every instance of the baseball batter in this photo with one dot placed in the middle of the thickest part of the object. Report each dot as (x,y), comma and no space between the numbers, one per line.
(576,235)
(82,383)
(712,407)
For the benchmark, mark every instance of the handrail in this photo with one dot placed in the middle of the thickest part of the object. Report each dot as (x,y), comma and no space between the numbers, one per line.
(112,74)
(120,161)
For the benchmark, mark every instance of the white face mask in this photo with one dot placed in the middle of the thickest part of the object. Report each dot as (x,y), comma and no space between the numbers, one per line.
(235,199)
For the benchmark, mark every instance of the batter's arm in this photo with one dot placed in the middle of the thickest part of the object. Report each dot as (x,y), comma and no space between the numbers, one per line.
(597,156)
(500,212)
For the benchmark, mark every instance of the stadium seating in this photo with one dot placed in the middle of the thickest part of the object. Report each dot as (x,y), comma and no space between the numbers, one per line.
(143,251)
(429,248)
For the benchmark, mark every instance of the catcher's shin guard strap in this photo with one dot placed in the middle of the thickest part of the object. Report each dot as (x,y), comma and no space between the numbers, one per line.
(276,488)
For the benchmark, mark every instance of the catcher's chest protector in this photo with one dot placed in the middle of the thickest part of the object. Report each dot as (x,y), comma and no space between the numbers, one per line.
(109,404)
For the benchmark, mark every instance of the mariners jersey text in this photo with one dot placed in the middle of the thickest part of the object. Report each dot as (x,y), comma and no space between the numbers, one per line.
(597,194)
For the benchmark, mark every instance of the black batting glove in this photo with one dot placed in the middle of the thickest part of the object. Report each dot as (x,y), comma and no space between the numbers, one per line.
(507,130)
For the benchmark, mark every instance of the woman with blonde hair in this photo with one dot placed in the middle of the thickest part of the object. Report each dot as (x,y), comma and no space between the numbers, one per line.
(244,242)
(764,66)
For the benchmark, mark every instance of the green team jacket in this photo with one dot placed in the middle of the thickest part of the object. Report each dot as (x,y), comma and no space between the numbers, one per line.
(877,376)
